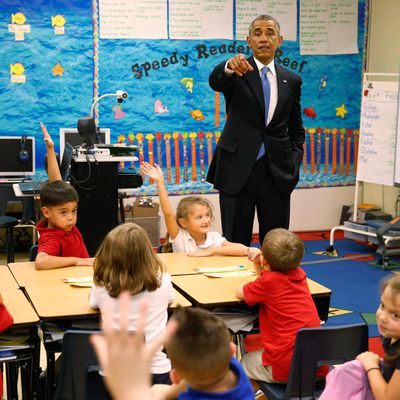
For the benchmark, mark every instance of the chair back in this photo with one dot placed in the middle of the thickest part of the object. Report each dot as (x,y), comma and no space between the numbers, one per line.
(315,347)
(33,251)
(79,377)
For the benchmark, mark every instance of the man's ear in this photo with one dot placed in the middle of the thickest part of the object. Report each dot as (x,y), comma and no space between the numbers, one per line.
(174,376)
(233,349)
(45,212)
(248,40)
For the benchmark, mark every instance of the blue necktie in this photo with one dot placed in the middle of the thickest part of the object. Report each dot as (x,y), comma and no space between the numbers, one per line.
(267,92)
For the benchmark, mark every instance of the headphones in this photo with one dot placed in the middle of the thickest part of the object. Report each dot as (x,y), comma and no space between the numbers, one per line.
(23,154)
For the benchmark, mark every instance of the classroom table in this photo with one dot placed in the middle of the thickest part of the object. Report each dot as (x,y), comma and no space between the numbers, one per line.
(182,264)
(209,292)
(58,302)
(27,354)
(7,280)
(53,298)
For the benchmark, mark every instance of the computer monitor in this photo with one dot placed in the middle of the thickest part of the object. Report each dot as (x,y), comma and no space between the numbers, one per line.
(72,136)
(18,156)
(66,161)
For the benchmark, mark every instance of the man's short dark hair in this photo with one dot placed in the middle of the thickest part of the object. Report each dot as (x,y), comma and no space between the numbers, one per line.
(56,193)
(264,18)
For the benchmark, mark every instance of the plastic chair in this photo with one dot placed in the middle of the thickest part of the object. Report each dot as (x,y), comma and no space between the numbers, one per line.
(8,224)
(33,251)
(315,347)
(79,377)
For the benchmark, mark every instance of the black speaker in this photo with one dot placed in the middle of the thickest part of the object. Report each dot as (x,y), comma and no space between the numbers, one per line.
(23,154)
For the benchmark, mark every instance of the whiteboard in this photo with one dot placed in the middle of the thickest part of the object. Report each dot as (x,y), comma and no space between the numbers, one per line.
(377,142)
(397,157)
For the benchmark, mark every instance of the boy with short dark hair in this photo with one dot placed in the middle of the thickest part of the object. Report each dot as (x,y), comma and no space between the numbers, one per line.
(285,304)
(197,343)
(60,242)
(201,355)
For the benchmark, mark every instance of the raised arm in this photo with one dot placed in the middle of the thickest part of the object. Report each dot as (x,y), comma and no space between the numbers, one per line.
(125,358)
(155,173)
(53,170)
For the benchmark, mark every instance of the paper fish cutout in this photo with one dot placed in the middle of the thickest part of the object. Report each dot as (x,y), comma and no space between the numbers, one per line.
(322,83)
(197,115)
(159,108)
(188,83)
(18,18)
(118,112)
(310,112)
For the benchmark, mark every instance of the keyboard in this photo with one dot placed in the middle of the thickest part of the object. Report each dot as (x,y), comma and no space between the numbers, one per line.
(31,187)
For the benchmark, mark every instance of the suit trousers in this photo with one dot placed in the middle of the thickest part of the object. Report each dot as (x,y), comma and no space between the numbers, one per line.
(260,193)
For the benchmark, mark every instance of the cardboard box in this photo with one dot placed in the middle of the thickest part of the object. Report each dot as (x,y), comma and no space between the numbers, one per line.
(151,225)
(144,208)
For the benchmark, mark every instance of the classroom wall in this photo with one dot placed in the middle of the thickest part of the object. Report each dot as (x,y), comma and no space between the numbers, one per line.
(383,56)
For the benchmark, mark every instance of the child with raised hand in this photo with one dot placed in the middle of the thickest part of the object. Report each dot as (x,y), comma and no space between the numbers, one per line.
(125,261)
(189,230)
(384,374)
(60,242)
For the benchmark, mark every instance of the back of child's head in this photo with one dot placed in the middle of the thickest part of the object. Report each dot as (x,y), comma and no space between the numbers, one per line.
(56,193)
(125,261)
(185,206)
(282,249)
(200,349)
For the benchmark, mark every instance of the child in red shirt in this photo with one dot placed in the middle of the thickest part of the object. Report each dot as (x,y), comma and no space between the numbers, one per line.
(285,304)
(60,242)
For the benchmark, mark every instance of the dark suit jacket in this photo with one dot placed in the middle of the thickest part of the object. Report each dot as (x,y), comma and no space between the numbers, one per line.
(240,141)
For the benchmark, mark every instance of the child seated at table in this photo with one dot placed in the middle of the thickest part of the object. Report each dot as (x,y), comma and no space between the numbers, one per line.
(285,304)
(60,242)
(189,230)
(198,344)
(125,261)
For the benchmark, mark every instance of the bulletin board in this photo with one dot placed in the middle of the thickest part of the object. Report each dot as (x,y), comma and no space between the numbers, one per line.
(171,112)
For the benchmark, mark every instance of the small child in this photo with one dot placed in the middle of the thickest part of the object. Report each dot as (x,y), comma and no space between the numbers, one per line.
(285,302)
(384,375)
(198,343)
(202,357)
(60,242)
(189,231)
(125,261)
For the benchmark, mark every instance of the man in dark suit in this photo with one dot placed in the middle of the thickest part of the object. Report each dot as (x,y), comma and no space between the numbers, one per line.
(256,162)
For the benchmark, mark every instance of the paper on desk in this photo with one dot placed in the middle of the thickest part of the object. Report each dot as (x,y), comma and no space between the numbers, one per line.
(225,272)
(86,281)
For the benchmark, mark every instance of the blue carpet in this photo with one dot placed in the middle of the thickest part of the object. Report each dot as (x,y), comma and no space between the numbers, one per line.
(354,283)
